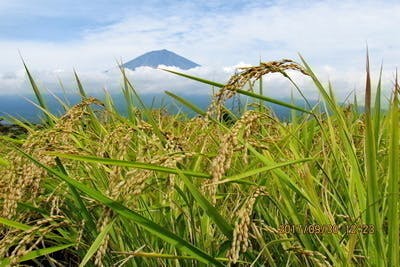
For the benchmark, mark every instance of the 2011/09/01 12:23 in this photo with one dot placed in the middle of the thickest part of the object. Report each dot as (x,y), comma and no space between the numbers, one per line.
(321,229)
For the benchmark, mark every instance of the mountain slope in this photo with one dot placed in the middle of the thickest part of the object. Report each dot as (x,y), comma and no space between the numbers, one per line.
(160,57)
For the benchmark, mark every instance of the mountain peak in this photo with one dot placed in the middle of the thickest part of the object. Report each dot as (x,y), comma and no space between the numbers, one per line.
(160,57)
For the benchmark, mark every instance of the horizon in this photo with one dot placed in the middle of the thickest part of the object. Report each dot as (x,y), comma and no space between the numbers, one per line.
(56,38)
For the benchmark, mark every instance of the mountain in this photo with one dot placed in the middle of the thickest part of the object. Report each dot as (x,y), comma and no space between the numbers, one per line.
(160,57)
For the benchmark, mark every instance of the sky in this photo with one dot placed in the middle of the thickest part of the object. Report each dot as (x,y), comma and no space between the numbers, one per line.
(56,37)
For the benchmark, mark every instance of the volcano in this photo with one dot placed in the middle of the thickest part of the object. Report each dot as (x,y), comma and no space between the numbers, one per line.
(160,57)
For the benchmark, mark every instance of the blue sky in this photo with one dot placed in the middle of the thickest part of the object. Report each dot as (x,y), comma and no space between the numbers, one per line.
(63,21)
(55,37)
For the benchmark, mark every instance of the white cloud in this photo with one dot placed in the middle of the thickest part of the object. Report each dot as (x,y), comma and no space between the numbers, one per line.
(145,80)
(330,34)
(232,69)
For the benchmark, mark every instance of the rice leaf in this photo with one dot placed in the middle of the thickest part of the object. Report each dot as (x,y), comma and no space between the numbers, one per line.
(129,87)
(4,162)
(373,216)
(168,256)
(35,254)
(132,164)
(147,224)
(187,103)
(96,244)
(393,181)
(14,224)
(80,87)
(253,172)
(12,140)
(38,94)
(219,85)
(83,211)
(240,91)
(271,100)
(225,227)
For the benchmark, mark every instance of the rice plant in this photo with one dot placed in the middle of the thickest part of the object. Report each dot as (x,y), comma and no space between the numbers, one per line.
(96,188)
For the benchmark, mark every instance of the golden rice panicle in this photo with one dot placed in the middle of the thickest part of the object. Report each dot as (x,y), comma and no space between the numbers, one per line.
(132,182)
(249,125)
(250,75)
(240,240)
(30,239)
(56,198)
(23,176)
(126,184)
(101,252)
(117,145)
(316,257)
(175,148)
(169,156)
(74,116)
(222,162)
